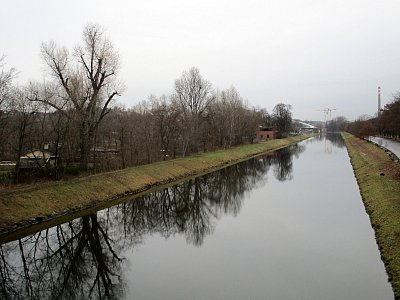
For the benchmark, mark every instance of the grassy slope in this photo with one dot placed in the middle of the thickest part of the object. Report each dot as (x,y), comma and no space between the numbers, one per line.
(53,198)
(379,180)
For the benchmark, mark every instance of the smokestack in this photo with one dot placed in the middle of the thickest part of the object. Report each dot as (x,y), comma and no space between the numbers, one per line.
(379,101)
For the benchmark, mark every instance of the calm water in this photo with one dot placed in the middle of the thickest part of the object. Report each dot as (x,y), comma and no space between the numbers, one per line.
(393,146)
(289,225)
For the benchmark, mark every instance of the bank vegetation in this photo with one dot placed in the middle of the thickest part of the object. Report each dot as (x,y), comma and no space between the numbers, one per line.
(74,115)
(387,124)
(378,177)
(30,204)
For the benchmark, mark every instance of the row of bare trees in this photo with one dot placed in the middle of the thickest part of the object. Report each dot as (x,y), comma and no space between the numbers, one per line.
(337,124)
(73,113)
(390,119)
(387,124)
(66,110)
(174,126)
(363,126)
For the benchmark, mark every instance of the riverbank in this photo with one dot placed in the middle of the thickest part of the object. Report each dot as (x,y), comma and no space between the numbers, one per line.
(378,177)
(24,206)
(387,144)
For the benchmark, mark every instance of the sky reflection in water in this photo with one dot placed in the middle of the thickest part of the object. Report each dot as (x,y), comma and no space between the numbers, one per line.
(238,233)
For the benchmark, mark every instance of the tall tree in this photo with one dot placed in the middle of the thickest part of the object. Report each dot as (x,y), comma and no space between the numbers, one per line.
(390,119)
(194,95)
(6,87)
(282,117)
(337,124)
(86,82)
(165,115)
(6,78)
(23,115)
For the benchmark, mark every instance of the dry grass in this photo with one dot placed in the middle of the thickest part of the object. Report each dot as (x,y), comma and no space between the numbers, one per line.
(379,181)
(52,199)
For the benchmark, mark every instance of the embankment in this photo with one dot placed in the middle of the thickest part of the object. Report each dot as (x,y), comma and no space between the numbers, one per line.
(27,205)
(378,177)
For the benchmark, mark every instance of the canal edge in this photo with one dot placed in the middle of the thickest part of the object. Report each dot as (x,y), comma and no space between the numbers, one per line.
(375,172)
(34,223)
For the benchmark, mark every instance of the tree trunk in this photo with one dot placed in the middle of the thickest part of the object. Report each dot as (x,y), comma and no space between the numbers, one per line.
(21,139)
(87,135)
(84,148)
(122,148)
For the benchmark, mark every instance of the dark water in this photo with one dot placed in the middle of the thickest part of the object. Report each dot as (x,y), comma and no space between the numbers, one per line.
(288,225)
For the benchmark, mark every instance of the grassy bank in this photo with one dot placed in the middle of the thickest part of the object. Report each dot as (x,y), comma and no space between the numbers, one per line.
(379,180)
(27,205)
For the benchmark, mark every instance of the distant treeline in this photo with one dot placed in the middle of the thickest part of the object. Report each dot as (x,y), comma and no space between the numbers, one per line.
(74,114)
(387,124)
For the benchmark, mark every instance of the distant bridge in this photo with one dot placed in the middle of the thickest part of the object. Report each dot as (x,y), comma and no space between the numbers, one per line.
(304,127)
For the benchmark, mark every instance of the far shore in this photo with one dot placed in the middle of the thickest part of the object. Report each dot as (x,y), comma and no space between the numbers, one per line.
(23,207)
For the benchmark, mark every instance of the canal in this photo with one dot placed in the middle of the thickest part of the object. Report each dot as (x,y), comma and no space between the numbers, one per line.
(286,225)
(391,145)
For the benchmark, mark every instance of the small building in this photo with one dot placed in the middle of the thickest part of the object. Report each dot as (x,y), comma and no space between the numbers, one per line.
(38,159)
(265,133)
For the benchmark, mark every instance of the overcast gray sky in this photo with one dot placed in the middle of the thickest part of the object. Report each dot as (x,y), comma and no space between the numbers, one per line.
(310,54)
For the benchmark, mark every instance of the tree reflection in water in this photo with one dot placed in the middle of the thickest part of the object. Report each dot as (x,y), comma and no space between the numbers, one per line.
(334,137)
(81,259)
(283,164)
(69,261)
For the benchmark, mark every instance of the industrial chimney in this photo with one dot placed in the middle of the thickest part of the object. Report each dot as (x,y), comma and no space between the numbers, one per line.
(379,101)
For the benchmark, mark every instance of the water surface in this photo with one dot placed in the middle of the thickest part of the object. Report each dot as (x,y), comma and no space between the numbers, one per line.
(287,225)
(391,145)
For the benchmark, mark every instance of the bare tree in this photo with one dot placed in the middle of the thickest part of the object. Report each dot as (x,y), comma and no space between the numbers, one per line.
(6,78)
(227,116)
(165,115)
(6,85)
(282,117)
(337,124)
(390,118)
(145,134)
(23,115)
(86,82)
(193,93)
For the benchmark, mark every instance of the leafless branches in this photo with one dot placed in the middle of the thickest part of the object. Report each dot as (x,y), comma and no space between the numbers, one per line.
(87,81)
(6,78)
